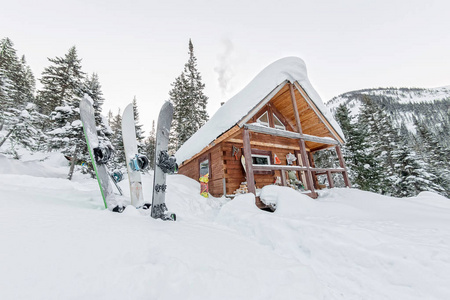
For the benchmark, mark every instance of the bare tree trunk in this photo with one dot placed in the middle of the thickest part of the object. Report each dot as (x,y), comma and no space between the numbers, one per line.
(6,137)
(74,162)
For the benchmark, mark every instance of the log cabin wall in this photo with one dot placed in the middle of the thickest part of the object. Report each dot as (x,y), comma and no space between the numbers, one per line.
(234,172)
(192,170)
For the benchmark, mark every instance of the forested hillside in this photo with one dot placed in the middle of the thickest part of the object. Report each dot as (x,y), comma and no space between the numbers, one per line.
(397,139)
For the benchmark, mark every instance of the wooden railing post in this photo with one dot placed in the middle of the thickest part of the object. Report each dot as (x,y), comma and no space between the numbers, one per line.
(304,155)
(330,180)
(248,162)
(342,164)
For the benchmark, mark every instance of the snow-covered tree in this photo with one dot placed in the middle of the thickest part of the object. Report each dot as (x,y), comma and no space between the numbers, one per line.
(60,97)
(138,127)
(189,102)
(61,81)
(28,130)
(364,171)
(118,159)
(150,146)
(412,176)
(17,87)
(382,140)
(435,155)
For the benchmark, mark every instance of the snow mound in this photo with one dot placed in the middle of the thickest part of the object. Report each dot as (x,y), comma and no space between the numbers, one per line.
(359,244)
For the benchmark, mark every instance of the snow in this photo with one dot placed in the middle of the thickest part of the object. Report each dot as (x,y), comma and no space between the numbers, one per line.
(401,95)
(59,243)
(292,69)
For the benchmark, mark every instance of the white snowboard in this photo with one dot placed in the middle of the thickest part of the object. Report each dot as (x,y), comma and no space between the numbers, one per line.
(110,200)
(131,150)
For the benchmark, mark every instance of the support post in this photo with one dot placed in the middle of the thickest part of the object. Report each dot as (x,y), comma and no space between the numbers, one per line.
(248,162)
(342,164)
(304,155)
(283,178)
(330,180)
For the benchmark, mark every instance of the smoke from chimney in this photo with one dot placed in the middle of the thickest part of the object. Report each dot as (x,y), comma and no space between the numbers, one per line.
(223,69)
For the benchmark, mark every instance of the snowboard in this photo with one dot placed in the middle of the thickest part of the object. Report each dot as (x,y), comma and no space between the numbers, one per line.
(134,161)
(99,156)
(163,164)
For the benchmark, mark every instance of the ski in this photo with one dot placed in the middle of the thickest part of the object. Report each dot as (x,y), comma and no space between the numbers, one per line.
(163,164)
(134,161)
(99,155)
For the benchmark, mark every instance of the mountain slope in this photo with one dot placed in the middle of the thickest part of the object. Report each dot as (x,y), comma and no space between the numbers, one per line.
(431,106)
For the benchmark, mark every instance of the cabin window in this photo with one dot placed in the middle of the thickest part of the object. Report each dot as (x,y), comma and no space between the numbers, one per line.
(260,159)
(264,119)
(204,167)
(277,123)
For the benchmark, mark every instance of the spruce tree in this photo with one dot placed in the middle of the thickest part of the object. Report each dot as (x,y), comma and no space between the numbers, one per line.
(412,176)
(138,127)
(17,87)
(382,140)
(118,160)
(189,102)
(61,81)
(60,97)
(435,155)
(364,171)
(150,146)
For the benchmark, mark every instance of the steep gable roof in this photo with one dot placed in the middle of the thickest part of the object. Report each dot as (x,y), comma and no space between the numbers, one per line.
(262,87)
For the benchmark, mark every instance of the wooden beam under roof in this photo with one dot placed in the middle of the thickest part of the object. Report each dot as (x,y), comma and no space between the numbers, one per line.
(290,134)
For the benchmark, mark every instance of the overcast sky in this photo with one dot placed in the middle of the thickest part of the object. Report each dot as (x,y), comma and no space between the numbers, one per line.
(138,48)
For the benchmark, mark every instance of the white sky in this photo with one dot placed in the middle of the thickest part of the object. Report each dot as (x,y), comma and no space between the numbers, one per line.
(138,48)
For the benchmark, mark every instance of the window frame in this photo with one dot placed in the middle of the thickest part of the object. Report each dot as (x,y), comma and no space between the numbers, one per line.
(201,159)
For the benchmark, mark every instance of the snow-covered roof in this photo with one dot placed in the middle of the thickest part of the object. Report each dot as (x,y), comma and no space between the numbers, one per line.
(292,69)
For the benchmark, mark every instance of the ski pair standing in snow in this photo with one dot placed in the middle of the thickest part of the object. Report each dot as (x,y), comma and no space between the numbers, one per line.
(100,155)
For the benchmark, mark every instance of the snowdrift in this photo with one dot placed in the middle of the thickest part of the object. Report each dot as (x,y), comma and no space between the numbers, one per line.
(59,243)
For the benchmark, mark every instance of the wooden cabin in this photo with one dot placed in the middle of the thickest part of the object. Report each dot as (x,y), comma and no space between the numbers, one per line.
(277,114)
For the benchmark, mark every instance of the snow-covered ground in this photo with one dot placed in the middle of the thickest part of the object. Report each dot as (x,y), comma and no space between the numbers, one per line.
(57,242)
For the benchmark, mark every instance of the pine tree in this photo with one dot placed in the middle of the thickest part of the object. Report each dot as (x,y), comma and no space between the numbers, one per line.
(411,175)
(62,82)
(150,146)
(382,140)
(138,127)
(189,102)
(363,169)
(29,129)
(60,97)
(17,87)
(118,160)
(435,155)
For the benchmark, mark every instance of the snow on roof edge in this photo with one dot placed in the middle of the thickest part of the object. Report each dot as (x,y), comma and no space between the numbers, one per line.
(228,115)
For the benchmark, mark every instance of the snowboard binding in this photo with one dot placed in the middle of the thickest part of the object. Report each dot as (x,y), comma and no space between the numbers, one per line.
(168,164)
(160,212)
(102,154)
(117,175)
(139,162)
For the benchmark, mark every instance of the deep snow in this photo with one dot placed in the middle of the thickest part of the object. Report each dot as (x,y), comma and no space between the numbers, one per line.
(59,243)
